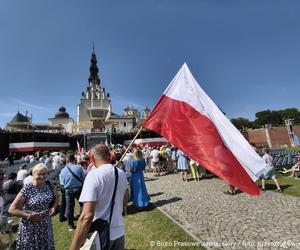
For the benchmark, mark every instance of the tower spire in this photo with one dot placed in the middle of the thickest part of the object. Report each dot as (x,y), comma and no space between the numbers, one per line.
(94,78)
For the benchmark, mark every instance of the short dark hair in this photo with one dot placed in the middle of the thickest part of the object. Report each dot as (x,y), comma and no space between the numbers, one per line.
(101,151)
(23,166)
(12,176)
(118,156)
(70,157)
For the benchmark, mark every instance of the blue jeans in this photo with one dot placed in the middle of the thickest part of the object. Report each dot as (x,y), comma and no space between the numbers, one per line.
(71,195)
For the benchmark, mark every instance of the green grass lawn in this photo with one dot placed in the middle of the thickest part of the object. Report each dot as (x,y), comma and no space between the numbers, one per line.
(143,228)
(289,186)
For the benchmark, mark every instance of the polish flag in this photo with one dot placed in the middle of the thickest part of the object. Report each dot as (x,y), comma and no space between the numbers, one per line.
(187,117)
(79,149)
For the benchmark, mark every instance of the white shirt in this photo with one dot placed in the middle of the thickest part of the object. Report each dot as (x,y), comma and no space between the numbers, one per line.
(155,155)
(48,161)
(32,160)
(56,161)
(27,180)
(126,161)
(22,173)
(192,162)
(99,186)
(169,153)
(268,160)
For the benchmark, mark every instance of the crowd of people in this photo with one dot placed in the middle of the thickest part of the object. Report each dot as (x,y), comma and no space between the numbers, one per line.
(93,178)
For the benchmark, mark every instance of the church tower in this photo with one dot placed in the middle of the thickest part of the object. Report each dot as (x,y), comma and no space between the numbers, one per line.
(95,105)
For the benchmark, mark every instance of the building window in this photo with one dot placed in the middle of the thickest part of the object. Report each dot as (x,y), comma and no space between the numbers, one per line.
(124,124)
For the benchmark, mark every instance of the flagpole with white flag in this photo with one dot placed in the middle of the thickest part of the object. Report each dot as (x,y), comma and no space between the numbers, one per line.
(187,117)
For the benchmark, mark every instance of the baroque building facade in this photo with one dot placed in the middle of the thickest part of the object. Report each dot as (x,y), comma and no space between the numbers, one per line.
(62,119)
(94,113)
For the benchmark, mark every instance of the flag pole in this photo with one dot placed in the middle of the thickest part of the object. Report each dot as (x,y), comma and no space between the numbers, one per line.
(139,131)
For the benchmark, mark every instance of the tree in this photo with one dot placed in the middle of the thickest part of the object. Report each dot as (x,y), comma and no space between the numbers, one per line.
(291,113)
(268,117)
(241,123)
(263,118)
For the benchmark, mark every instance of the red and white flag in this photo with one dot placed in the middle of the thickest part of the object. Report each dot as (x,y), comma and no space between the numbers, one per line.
(79,149)
(187,117)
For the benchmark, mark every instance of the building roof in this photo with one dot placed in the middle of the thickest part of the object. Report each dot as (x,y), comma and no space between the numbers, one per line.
(19,118)
(130,109)
(62,113)
(114,115)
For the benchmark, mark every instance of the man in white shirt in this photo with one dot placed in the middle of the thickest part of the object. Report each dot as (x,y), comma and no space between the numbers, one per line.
(96,195)
(48,161)
(22,173)
(28,179)
(126,161)
(56,161)
(154,155)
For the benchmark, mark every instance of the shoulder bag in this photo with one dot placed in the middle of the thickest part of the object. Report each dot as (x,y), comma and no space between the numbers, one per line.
(74,175)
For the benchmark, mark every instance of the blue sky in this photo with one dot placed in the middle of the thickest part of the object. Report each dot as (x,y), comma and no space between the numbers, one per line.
(244,54)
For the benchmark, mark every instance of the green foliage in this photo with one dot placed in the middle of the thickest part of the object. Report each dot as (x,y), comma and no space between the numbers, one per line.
(277,117)
(268,117)
(263,117)
(293,148)
(242,123)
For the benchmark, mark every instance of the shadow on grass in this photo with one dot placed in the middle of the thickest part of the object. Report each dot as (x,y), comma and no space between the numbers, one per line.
(133,210)
(271,186)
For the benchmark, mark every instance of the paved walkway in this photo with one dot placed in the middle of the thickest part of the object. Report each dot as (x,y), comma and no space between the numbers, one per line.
(220,221)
